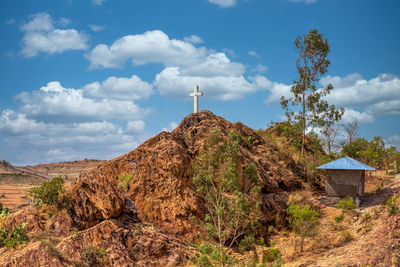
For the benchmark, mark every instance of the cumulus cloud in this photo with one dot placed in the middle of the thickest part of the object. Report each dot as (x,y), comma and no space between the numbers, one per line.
(223,3)
(96,28)
(351,115)
(73,134)
(40,36)
(379,95)
(194,39)
(52,142)
(152,46)
(132,88)
(363,99)
(172,83)
(54,102)
(185,66)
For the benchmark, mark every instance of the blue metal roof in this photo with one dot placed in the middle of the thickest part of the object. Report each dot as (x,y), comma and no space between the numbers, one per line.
(345,163)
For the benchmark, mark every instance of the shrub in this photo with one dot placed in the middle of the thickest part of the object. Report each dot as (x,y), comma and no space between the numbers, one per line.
(346,203)
(125,180)
(232,204)
(48,192)
(210,255)
(391,205)
(339,218)
(14,237)
(304,221)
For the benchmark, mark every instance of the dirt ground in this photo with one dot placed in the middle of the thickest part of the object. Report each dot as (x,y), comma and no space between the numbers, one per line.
(12,196)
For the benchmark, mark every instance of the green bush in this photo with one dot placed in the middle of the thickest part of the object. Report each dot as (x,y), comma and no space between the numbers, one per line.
(48,192)
(304,221)
(14,237)
(346,203)
(391,205)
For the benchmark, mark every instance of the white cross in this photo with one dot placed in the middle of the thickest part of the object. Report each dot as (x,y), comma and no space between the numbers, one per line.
(196,95)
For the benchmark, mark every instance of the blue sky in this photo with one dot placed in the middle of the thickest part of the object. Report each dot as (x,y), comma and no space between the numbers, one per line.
(95,78)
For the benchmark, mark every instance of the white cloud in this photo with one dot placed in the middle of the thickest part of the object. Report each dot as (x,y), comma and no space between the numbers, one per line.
(98,2)
(379,95)
(277,90)
(223,3)
(52,142)
(150,47)
(171,126)
(253,54)
(351,115)
(132,88)
(172,83)
(40,36)
(217,64)
(54,102)
(305,1)
(96,28)
(194,39)
(135,127)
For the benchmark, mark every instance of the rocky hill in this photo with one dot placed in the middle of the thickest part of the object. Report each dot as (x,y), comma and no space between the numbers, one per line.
(152,218)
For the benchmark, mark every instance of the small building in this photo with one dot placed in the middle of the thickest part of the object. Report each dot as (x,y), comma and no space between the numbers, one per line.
(345,177)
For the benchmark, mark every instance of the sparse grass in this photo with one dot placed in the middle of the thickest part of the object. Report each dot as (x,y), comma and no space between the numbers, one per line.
(346,203)
(391,205)
(93,256)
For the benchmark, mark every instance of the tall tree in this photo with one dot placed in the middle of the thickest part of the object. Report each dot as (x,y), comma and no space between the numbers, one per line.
(311,64)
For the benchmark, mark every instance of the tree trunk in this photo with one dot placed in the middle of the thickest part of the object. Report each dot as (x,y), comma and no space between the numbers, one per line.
(304,136)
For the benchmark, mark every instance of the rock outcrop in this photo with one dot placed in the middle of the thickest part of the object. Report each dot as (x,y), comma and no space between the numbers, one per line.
(144,223)
(161,189)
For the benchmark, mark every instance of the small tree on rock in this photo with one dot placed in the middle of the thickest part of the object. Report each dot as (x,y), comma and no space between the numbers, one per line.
(232,206)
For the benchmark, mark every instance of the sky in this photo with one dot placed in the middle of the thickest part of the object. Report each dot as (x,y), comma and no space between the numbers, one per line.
(96,78)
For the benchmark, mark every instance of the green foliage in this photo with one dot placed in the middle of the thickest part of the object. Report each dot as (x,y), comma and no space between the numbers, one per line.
(93,256)
(272,255)
(3,212)
(232,205)
(210,255)
(391,205)
(271,229)
(48,192)
(125,180)
(14,237)
(304,221)
(373,153)
(339,218)
(346,203)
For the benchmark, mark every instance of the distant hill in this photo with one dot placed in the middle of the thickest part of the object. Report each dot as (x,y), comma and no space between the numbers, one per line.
(35,175)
